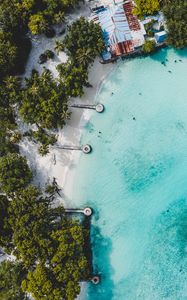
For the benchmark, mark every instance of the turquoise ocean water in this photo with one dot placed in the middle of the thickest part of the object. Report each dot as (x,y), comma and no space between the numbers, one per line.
(136,181)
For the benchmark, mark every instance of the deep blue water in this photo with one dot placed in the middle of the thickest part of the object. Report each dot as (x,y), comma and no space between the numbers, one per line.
(136,181)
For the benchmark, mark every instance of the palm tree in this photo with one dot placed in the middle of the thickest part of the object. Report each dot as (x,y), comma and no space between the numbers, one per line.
(59,46)
(34,89)
(12,82)
(65,113)
(84,56)
(59,17)
(13,86)
(46,77)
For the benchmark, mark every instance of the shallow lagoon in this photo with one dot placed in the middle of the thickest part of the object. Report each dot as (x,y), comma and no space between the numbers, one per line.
(136,180)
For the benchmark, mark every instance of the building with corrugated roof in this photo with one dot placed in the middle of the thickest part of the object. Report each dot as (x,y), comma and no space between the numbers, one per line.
(122,31)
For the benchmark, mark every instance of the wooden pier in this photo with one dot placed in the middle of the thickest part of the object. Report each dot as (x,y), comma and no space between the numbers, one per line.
(86,211)
(85,148)
(98,107)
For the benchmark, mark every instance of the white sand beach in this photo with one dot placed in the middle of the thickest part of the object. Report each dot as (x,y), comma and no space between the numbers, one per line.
(60,164)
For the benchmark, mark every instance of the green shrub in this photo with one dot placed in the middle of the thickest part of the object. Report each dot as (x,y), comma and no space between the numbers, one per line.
(149,46)
(49,54)
(14,172)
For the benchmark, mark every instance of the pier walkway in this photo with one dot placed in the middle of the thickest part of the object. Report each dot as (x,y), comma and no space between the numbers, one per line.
(98,107)
(85,148)
(86,211)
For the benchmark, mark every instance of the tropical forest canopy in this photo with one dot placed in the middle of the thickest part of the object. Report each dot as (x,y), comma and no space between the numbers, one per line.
(176,16)
(146,7)
(175,12)
(11,276)
(35,15)
(48,245)
(43,100)
(17,17)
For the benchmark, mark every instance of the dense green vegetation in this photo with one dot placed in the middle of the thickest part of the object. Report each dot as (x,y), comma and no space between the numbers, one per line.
(48,245)
(149,46)
(83,43)
(31,218)
(11,276)
(74,77)
(5,232)
(38,16)
(146,7)
(8,53)
(84,35)
(36,231)
(44,101)
(17,17)
(176,16)
(9,95)
(43,138)
(54,281)
(14,172)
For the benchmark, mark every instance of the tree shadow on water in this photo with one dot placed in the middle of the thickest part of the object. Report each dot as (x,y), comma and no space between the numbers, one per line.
(160,55)
(101,247)
(182,52)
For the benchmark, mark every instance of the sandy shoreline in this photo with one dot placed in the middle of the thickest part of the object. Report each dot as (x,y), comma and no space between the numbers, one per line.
(61,164)
(58,163)
(97,75)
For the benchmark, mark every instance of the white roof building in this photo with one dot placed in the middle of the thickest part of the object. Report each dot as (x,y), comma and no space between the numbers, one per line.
(114,22)
(121,29)
(110,2)
(160,36)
